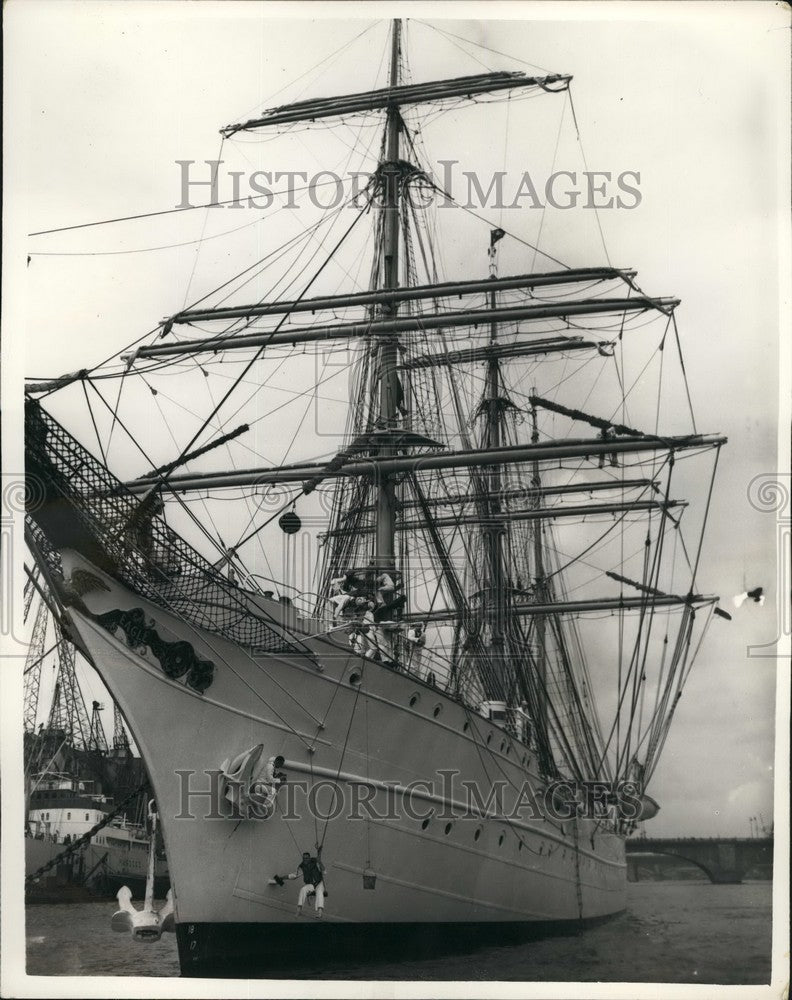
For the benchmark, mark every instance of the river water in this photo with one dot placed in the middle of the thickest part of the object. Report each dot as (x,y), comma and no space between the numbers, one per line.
(678,932)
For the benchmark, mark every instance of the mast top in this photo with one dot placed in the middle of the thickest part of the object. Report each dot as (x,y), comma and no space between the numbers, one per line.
(395,51)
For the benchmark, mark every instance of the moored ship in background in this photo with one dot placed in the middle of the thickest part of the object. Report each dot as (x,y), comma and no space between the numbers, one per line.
(63,863)
(84,835)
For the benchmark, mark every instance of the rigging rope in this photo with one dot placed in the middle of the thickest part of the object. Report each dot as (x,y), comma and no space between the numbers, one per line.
(588,173)
(163,479)
(470,41)
(320,843)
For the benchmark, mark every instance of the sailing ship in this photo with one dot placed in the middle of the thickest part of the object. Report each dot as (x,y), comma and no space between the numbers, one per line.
(448,675)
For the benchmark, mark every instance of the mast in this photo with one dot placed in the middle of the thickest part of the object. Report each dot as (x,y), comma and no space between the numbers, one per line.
(540,586)
(384,556)
(493,405)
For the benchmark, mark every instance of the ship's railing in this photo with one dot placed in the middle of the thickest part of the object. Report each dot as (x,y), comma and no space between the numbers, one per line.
(388,645)
(309,606)
(75,502)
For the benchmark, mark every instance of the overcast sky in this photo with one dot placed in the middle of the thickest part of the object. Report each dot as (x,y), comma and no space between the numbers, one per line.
(107,97)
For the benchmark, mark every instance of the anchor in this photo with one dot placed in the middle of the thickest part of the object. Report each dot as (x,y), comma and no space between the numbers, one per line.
(251,792)
(238,776)
(147,924)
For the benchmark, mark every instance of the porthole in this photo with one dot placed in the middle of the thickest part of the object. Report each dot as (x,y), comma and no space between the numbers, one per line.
(465,727)
(519,845)
(425,823)
(448,828)
(414,699)
(525,761)
(500,841)
(489,738)
(437,710)
(503,746)
(508,749)
(477,834)
(354,678)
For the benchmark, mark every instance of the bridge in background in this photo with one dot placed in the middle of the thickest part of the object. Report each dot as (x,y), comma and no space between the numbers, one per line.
(722,859)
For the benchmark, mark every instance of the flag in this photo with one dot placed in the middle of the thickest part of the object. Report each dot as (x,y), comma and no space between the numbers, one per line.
(495,235)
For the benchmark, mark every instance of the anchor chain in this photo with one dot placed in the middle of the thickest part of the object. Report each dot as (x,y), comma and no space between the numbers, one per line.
(578,886)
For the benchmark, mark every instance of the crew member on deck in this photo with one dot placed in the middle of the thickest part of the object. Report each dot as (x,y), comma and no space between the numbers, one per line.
(339,602)
(369,643)
(386,588)
(391,611)
(416,640)
(273,774)
(356,640)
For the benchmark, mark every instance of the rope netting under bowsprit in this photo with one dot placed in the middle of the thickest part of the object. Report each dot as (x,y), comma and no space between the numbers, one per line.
(75,502)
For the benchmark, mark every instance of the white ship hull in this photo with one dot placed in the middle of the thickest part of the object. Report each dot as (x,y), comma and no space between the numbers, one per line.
(113,867)
(370,736)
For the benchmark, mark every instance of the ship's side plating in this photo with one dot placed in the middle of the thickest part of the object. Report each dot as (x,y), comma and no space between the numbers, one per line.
(342,721)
